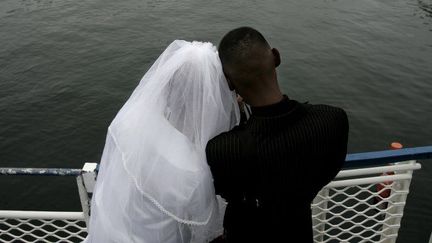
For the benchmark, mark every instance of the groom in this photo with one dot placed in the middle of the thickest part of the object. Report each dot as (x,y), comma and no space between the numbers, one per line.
(270,168)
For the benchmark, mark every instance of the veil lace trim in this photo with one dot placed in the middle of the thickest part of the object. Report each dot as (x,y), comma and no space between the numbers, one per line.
(152,199)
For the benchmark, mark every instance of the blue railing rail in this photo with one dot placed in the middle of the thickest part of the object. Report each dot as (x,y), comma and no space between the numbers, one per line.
(387,156)
(40,171)
(352,160)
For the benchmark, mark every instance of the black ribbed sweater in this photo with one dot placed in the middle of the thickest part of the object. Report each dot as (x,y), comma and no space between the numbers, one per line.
(270,169)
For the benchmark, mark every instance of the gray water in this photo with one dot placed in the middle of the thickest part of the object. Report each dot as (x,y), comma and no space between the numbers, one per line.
(67,66)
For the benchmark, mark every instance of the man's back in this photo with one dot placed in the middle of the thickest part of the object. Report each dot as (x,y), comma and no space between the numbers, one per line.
(270,169)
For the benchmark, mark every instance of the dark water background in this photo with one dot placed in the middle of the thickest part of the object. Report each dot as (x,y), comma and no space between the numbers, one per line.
(67,66)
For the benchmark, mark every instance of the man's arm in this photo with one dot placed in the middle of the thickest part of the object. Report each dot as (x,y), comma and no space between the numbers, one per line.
(328,166)
(223,157)
(339,139)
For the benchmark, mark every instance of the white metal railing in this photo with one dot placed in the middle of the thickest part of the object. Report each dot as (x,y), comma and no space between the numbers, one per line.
(50,226)
(42,226)
(362,204)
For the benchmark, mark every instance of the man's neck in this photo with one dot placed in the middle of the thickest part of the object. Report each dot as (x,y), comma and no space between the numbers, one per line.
(265,99)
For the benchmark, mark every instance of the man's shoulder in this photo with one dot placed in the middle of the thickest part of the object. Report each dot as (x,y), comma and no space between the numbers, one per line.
(326,108)
(224,147)
(226,137)
(327,117)
(334,112)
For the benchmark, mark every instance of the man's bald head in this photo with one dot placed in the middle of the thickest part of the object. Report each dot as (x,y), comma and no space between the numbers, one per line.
(248,61)
(238,43)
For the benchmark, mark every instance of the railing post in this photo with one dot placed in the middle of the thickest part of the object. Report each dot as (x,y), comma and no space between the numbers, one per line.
(389,219)
(321,202)
(86,182)
(393,215)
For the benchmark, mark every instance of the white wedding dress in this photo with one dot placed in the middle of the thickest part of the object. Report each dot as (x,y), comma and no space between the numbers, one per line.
(154,184)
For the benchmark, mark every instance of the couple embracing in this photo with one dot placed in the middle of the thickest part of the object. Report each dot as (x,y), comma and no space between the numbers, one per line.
(183,162)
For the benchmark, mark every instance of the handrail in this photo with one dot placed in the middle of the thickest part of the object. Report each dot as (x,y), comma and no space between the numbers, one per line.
(40,171)
(352,160)
(387,156)
(15,214)
(377,170)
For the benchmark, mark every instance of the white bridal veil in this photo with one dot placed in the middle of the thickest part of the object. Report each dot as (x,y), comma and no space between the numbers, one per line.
(154,184)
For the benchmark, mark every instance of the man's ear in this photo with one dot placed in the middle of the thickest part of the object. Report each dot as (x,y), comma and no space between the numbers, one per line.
(276,57)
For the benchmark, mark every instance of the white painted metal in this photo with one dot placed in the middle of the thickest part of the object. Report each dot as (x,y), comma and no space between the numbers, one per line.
(14,214)
(320,217)
(89,176)
(41,226)
(368,180)
(378,169)
(85,183)
(349,209)
(354,210)
(84,198)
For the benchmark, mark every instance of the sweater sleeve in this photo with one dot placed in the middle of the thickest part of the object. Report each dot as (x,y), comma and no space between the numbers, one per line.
(333,159)
(223,158)
(341,142)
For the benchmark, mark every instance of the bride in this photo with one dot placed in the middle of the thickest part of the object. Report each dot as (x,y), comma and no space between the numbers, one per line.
(154,184)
